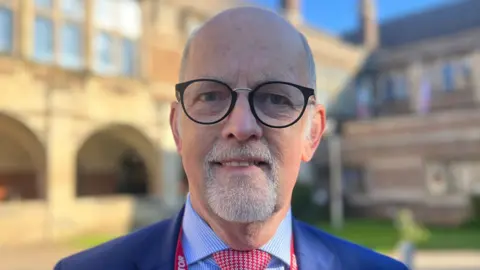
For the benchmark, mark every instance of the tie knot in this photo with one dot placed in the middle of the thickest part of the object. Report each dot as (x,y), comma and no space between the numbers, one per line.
(242,260)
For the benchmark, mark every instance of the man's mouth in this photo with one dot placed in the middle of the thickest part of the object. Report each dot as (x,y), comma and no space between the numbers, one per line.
(241,163)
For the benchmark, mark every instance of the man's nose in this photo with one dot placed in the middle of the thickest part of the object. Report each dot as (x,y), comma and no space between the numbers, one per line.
(241,124)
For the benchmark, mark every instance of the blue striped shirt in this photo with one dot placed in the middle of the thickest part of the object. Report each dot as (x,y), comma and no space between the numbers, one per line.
(200,242)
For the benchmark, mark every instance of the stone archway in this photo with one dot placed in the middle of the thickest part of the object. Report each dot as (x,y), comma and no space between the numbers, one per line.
(22,162)
(118,159)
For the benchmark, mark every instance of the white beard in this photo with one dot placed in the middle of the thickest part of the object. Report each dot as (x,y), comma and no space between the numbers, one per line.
(242,198)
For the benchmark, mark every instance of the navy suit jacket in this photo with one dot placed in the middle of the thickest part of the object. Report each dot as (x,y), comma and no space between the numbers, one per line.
(153,248)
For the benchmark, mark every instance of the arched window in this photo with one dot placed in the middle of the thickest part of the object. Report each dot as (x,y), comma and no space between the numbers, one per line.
(132,174)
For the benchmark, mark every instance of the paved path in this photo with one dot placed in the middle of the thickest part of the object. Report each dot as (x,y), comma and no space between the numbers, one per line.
(446,260)
(44,257)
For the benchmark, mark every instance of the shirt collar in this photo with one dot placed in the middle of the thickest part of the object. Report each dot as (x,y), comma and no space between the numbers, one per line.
(200,241)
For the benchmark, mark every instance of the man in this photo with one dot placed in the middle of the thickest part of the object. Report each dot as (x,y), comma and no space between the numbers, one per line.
(245,119)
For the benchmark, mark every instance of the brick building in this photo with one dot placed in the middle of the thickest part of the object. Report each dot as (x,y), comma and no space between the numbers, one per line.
(410,134)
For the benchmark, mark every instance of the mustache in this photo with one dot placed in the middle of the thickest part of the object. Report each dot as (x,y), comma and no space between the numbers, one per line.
(253,150)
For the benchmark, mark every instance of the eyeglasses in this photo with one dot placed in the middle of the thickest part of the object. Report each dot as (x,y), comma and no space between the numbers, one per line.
(275,104)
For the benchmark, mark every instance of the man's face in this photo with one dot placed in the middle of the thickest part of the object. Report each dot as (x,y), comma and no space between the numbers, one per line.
(239,169)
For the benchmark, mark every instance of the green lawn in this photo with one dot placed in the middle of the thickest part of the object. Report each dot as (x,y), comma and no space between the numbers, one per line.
(378,235)
(90,240)
(382,236)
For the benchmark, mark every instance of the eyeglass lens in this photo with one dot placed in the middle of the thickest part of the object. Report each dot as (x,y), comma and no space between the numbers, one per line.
(275,104)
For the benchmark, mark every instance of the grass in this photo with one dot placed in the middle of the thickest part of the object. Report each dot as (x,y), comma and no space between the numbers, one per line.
(377,235)
(382,236)
(90,240)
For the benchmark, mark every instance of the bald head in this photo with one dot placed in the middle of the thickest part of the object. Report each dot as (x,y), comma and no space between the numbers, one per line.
(250,27)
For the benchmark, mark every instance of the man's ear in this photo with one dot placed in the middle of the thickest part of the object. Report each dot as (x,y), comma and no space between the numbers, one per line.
(175,125)
(315,133)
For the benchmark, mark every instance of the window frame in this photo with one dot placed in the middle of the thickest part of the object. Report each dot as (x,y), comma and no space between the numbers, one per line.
(24,41)
(118,38)
(399,93)
(460,66)
(14,6)
(62,19)
(48,14)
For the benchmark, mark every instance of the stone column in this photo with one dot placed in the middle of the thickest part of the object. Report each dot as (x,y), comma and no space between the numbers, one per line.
(25,29)
(336,181)
(475,74)
(168,184)
(145,42)
(60,166)
(57,32)
(414,80)
(89,35)
(171,169)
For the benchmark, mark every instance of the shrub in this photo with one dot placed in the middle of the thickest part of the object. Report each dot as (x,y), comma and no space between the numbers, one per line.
(303,206)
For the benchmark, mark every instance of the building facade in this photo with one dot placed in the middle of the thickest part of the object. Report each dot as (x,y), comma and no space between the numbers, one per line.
(84,134)
(85,142)
(412,136)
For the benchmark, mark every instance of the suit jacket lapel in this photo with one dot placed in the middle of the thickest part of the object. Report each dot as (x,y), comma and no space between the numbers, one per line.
(159,251)
(310,251)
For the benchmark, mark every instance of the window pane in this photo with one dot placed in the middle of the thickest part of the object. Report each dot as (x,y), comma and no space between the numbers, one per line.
(131,21)
(105,14)
(73,8)
(71,47)
(103,53)
(364,98)
(6,30)
(401,87)
(43,3)
(129,57)
(43,50)
(389,89)
(448,77)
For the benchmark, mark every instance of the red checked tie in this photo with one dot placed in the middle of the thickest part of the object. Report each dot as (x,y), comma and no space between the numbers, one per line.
(242,260)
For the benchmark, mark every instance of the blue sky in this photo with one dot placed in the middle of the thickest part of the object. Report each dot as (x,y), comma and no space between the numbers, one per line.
(338,16)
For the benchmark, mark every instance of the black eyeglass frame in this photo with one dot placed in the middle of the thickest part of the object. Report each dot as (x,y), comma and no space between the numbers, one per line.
(181,87)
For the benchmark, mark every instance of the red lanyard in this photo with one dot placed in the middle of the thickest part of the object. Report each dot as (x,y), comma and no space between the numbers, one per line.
(181,262)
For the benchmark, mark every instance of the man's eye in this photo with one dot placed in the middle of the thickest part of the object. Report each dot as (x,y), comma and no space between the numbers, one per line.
(209,96)
(275,99)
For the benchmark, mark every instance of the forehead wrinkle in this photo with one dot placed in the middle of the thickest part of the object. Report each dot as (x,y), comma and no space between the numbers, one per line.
(264,76)
(237,72)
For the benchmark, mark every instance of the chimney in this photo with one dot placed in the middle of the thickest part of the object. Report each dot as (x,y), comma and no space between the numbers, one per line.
(369,24)
(292,10)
